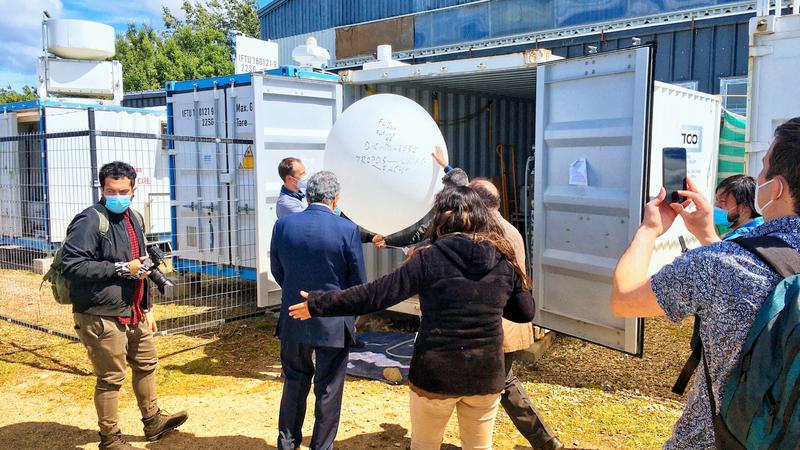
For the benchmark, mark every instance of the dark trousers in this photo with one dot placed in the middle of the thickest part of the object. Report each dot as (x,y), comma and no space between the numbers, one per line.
(327,366)
(518,406)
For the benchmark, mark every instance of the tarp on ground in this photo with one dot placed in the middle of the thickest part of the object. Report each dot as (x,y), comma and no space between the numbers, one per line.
(381,350)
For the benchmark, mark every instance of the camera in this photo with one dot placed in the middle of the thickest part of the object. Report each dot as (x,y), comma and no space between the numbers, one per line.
(156,257)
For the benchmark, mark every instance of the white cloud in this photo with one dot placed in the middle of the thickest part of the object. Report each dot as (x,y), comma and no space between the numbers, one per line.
(21,27)
(21,33)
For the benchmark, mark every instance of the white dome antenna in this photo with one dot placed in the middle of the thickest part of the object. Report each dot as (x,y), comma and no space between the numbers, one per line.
(311,55)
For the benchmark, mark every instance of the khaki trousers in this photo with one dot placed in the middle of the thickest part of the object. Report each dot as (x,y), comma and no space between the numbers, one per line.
(429,419)
(110,345)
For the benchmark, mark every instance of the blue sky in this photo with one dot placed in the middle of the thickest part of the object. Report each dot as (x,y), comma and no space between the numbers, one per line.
(20,27)
(21,36)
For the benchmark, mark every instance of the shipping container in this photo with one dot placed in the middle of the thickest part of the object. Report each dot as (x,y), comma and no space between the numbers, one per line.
(774,90)
(529,121)
(51,153)
(604,112)
(215,218)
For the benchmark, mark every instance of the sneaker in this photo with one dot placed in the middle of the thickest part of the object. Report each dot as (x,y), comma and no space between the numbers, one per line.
(162,423)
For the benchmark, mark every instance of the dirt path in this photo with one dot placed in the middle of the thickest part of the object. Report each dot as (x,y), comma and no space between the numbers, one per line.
(593,397)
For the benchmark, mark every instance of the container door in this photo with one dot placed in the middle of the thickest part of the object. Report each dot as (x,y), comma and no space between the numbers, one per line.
(592,150)
(10,201)
(200,195)
(293,117)
(242,208)
(774,61)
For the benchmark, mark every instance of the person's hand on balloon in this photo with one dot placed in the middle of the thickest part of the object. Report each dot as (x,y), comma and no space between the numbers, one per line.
(300,311)
(438,156)
(379,241)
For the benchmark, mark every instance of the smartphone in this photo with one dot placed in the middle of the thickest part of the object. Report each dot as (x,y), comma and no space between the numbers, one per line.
(674,165)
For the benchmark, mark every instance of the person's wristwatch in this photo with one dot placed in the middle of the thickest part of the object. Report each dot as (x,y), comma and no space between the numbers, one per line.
(123,270)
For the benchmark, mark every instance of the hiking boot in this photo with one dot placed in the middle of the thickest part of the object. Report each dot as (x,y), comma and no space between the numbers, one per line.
(553,444)
(115,442)
(162,423)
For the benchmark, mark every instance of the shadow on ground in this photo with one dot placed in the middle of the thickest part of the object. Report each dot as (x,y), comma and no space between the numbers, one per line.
(56,436)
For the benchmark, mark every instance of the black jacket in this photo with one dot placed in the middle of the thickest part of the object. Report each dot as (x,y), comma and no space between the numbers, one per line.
(88,262)
(464,288)
(412,235)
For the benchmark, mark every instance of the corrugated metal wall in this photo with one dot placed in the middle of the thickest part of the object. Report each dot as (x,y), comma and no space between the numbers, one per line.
(706,52)
(472,20)
(466,120)
(145,99)
(291,17)
(703,51)
(325,39)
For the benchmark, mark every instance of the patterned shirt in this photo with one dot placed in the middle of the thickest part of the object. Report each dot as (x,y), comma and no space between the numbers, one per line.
(725,285)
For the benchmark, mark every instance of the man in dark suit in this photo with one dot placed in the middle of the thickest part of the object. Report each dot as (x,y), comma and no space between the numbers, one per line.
(314,250)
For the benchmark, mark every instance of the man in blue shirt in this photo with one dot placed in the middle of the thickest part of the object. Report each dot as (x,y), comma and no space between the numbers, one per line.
(720,282)
(292,198)
(734,208)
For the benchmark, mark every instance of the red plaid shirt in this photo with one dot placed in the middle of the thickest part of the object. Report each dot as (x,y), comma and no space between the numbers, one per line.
(138,292)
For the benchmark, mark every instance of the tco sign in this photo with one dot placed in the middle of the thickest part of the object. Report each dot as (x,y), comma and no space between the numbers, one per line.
(692,138)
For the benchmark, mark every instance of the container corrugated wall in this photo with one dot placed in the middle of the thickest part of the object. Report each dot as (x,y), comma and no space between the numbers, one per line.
(292,17)
(466,120)
(145,99)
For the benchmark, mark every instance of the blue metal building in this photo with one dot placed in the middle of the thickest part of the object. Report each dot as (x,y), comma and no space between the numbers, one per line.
(701,44)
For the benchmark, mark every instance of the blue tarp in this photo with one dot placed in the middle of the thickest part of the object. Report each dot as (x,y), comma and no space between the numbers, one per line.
(381,350)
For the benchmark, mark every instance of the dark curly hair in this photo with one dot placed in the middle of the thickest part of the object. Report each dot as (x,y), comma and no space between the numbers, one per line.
(460,210)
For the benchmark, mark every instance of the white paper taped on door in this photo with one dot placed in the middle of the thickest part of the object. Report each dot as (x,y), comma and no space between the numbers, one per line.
(380,149)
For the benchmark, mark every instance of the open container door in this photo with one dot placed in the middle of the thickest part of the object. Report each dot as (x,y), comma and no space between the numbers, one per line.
(293,117)
(592,150)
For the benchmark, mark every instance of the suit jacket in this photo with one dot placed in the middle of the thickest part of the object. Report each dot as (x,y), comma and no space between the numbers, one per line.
(315,250)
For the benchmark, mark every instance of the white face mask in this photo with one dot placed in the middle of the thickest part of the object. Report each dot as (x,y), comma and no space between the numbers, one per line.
(760,209)
(301,184)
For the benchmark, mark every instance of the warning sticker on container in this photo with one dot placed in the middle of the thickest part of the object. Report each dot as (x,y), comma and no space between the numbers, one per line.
(247,161)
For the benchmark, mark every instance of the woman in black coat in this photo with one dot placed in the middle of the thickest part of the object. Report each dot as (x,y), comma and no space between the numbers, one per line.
(467,281)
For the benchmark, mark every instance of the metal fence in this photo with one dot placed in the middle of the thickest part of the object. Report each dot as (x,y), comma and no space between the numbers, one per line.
(196,196)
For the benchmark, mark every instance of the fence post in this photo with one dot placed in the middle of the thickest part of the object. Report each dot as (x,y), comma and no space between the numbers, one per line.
(93,156)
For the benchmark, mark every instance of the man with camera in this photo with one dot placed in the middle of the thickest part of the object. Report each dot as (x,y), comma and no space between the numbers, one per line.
(105,260)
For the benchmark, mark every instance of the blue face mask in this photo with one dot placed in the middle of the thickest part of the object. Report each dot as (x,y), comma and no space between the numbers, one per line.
(118,204)
(721,217)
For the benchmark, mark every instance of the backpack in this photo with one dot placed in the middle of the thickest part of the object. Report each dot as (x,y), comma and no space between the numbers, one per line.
(760,407)
(58,282)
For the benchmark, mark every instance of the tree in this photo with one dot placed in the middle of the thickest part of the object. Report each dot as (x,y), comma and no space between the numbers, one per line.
(9,95)
(137,50)
(196,47)
(223,15)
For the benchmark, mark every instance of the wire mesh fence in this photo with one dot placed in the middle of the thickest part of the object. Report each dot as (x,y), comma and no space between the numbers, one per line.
(197,199)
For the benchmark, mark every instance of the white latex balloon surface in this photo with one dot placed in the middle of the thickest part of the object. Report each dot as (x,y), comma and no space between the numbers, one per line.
(380,149)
